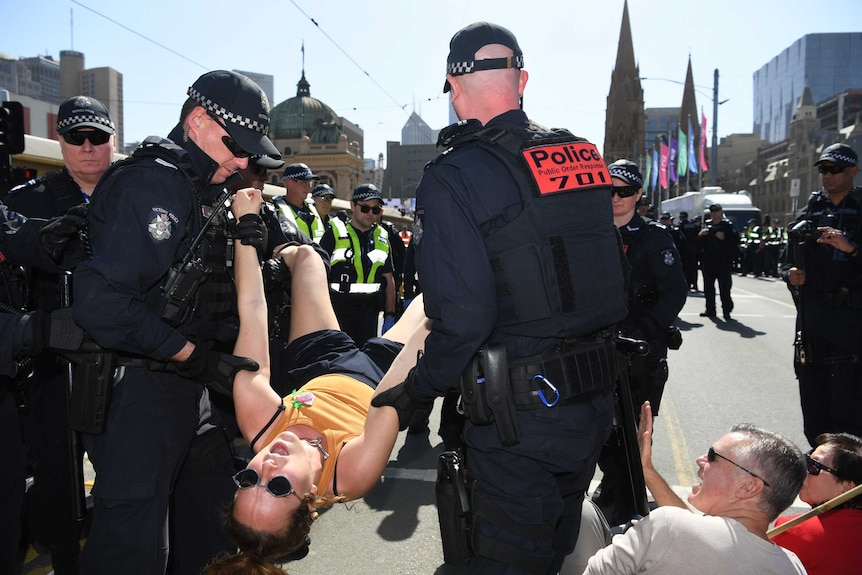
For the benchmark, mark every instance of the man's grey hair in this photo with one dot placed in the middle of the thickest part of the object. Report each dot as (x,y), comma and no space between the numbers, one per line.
(777,461)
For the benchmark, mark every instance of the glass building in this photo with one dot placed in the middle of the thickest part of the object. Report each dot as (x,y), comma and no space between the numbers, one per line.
(826,63)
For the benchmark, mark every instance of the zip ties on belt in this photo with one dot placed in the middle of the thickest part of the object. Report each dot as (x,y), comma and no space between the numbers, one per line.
(550,385)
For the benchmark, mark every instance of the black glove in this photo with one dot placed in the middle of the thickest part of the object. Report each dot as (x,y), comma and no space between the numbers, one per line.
(37,331)
(61,237)
(214,369)
(402,397)
(250,231)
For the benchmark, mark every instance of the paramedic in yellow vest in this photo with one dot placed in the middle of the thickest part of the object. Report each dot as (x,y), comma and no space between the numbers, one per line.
(360,260)
(294,204)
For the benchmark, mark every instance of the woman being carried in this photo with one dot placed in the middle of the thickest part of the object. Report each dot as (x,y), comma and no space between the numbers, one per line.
(324,443)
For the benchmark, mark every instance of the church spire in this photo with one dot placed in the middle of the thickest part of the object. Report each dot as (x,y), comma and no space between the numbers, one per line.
(624,117)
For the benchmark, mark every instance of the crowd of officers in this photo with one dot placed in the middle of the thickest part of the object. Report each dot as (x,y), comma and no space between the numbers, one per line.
(156,224)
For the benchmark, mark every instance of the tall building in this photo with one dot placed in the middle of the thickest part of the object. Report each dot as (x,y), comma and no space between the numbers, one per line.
(37,77)
(658,123)
(416,132)
(624,117)
(827,63)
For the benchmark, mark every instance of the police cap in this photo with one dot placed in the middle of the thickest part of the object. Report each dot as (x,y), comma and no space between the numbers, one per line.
(839,154)
(83,112)
(240,104)
(627,171)
(322,190)
(467,41)
(298,172)
(367,192)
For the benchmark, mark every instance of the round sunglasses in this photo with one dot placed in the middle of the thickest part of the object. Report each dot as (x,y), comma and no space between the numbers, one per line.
(278,486)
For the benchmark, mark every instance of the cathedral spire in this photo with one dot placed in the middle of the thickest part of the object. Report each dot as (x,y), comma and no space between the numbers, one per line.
(624,117)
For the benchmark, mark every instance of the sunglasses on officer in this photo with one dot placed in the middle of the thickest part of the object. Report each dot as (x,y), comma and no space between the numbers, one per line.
(78,137)
(815,467)
(328,199)
(229,142)
(373,209)
(834,170)
(278,486)
(624,191)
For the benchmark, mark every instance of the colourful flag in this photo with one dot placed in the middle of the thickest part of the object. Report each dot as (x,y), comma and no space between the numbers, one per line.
(663,165)
(671,167)
(648,171)
(702,159)
(692,161)
(654,179)
(682,161)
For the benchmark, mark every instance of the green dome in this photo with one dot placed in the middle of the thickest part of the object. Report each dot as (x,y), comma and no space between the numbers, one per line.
(303,113)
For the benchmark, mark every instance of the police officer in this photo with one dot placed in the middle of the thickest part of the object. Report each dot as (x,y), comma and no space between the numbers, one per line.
(398,254)
(826,278)
(657,292)
(87,144)
(755,245)
(690,230)
(323,195)
(490,232)
(675,233)
(718,243)
(23,333)
(144,215)
(294,204)
(361,272)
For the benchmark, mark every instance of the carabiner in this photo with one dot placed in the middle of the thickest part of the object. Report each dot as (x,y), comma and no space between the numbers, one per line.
(551,386)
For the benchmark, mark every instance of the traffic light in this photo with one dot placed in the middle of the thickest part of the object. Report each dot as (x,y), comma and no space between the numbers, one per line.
(11,128)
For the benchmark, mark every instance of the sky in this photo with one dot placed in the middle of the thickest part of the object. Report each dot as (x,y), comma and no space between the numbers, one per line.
(375,62)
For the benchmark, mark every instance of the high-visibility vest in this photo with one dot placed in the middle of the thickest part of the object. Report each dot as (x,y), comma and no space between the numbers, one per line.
(347,249)
(315,231)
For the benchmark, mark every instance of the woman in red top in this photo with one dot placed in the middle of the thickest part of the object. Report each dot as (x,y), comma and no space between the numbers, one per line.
(829,543)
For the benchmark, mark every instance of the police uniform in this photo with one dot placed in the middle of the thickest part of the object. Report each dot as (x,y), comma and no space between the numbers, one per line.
(483,286)
(358,261)
(690,230)
(657,293)
(716,259)
(143,216)
(303,216)
(45,422)
(830,311)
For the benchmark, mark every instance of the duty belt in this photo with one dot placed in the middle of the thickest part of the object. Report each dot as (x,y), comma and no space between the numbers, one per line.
(563,376)
(840,298)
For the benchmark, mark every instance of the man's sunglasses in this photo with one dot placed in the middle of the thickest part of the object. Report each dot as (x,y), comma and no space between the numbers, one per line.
(373,209)
(815,467)
(711,454)
(278,486)
(229,142)
(96,137)
(624,191)
(329,199)
(834,170)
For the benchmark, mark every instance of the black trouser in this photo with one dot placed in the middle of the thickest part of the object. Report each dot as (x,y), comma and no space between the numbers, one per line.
(50,501)
(712,272)
(357,315)
(11,482)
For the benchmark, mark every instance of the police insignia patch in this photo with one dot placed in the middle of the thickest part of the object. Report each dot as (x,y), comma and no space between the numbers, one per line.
(668,258)
(417,227)
(161,225)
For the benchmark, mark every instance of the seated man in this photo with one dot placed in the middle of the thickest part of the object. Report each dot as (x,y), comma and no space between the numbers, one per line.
(748,477)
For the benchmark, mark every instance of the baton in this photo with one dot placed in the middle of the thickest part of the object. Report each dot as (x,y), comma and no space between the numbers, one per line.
(822,508)
(628,423)
(76,464)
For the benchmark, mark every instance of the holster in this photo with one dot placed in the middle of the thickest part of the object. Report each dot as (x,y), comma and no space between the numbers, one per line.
(180,291)
(453,508)
(92,383)
(487,395)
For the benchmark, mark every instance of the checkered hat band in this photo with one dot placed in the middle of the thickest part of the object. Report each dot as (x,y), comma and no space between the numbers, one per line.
(298,175)
(80,119)
(624,174)
(218,110)
(459,68)
(840,157)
